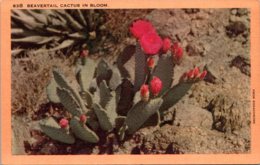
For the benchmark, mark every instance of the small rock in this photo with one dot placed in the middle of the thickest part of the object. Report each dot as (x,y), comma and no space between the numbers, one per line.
(193,116)
(227,116)
(240,143)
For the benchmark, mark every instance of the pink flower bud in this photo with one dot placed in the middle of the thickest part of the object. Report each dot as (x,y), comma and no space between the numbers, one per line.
(196,72)
(190,74)
(156,85)
(144,91)
(166,45)
(177,52)
(83,118)
(151,43)
(64,123)
(84,53)
(150,63)
(203,74)
(140,27)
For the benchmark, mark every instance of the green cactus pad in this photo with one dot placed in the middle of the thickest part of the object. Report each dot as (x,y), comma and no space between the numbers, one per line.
(87,97)
(106,120)
(153,120)
(137,97)
(164,70)
(105,95)
(140,64)
(115,80)
(172,96)
(51,128)
(51,91)
(103,72)
(69,102)
(61,81)
(140,112)
(83,132)
(86,73)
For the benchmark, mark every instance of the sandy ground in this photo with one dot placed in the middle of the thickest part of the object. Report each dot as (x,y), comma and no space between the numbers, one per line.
(213,117)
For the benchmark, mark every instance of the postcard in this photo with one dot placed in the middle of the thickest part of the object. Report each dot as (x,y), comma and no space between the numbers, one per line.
(130,82)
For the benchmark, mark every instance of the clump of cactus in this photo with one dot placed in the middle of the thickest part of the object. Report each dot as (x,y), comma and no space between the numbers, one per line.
(96,106)
(54,30)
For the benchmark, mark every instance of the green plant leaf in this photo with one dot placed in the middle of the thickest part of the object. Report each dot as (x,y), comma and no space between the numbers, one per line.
(105,120)
(103,72)
(52,91)
(164,70)
(62,82)
(105,95)
(115,79)
(140,65)
(83,132)
(86,73)
(172,96)
(51,128)
(69,102)
(140,112)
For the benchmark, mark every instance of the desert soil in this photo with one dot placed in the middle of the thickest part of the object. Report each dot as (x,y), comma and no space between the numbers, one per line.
(213,117)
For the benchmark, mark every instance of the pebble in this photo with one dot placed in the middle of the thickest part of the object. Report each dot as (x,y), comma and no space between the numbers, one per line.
(240,143)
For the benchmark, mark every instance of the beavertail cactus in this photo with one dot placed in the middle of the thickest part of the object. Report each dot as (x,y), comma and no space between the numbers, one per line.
(103,90)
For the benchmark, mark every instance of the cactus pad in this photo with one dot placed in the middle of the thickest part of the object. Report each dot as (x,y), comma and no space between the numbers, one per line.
(68,101)
(105,120)
(164,70)
(86,73)
(51,128)
(52,92)
(174,95)
(140,112)
(83,132)
(61,81)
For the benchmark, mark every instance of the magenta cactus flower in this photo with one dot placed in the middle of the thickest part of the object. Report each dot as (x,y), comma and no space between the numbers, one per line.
(64,123)
(151,43)
(196,72)
(144,91)
(166,45)
(203,74)
(177,52)
(156,86)
(83,118)
(150,63)
(141,27)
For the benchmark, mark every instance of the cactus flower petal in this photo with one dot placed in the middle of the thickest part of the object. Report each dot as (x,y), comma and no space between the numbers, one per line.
(64,123)
(150,63)
(203,74)
(177,52)
(83,118)
(196,72)
(166,45)
(144,91)
(156,86)
(151,43)
(140,27)
(190,74)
